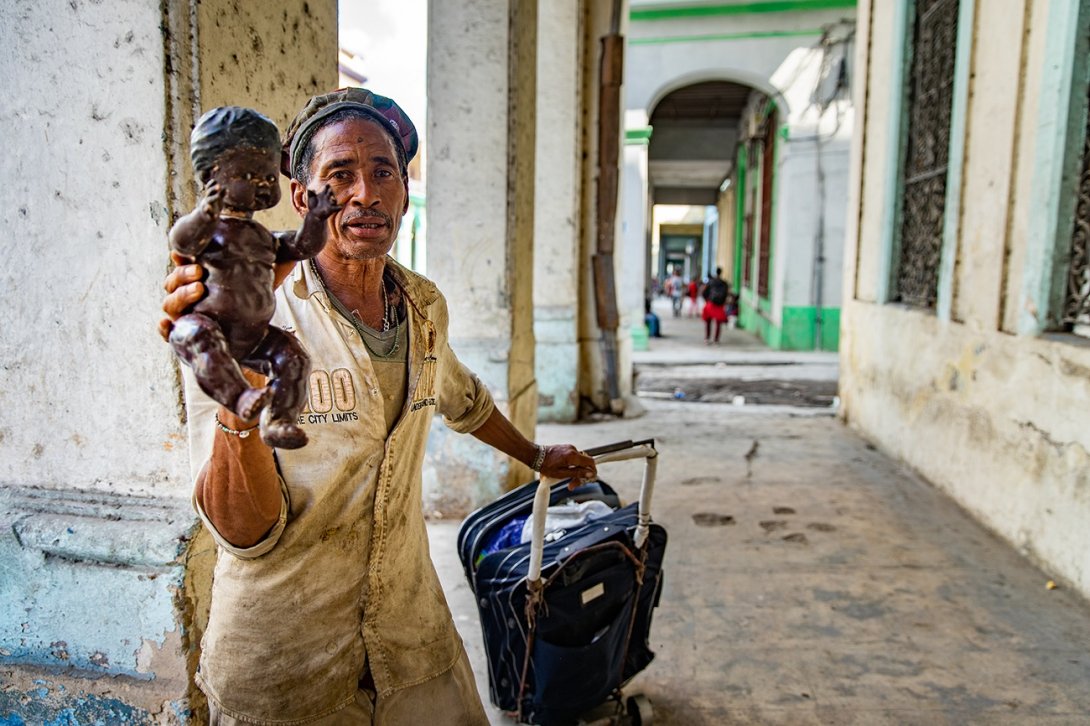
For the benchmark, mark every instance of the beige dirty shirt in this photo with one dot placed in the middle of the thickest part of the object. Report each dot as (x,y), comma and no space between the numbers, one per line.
(346,574)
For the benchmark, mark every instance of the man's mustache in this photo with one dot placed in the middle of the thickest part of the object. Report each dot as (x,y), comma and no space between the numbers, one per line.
(367,214)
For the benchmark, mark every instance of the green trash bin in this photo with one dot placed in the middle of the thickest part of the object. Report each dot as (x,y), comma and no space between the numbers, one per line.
(639,337)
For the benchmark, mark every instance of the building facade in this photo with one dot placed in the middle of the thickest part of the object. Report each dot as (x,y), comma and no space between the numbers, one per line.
(743,108)
(107,572)
(963,337)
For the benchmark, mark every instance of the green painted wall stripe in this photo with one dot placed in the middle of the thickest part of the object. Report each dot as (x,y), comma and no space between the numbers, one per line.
(750,8)
(951,223)
(755,35)
(890,244)
(830,329)
(797,329)
(637,135)
(1061,117)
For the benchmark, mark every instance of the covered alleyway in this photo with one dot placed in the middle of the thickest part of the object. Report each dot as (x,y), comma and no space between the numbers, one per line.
(830,586)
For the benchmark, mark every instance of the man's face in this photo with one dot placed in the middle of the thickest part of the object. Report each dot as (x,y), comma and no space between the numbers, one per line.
(358,160)
(249,178)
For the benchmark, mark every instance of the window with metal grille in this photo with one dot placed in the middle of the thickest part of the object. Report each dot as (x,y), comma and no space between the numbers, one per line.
(930,100)
(768,163)
(1076,310)
(749,220)
(747,252)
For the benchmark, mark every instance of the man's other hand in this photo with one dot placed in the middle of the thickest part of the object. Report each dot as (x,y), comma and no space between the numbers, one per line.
(564,461)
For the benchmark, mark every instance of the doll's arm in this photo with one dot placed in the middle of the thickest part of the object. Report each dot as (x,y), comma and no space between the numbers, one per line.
(191,233)
(309,239)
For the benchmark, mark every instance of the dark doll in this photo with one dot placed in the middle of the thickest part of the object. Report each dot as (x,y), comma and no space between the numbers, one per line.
(236,155)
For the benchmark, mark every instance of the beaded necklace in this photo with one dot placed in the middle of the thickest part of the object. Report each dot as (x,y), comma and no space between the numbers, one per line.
(353,317)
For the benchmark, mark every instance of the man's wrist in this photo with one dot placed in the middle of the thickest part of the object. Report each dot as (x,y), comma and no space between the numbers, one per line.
(539,457)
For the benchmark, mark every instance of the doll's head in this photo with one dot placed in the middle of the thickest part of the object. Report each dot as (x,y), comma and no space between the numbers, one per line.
(240,150)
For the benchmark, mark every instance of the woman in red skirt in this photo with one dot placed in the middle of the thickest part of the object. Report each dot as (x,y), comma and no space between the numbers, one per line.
(715,293)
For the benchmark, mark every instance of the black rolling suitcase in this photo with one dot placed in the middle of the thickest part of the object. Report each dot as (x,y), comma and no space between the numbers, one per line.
(566,622)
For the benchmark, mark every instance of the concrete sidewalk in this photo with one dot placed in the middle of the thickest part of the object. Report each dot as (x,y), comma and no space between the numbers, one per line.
(829,587)
(682,343)
(739,369)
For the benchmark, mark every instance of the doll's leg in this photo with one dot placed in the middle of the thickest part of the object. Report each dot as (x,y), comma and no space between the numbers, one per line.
(199,341)
(281,357)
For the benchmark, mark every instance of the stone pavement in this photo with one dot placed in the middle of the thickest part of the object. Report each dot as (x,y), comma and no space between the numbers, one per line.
(738,370)
(827,585)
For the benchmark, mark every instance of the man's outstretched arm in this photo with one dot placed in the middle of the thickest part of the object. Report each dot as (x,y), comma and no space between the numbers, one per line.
(239,488)
(561,461)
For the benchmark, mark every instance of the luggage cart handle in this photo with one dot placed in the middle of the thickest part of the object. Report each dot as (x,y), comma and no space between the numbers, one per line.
(603,455)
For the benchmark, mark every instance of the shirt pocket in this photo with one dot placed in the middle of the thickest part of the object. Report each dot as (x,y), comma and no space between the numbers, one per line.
(424,395)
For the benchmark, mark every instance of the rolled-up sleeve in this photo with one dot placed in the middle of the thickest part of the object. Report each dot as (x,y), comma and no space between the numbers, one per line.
(200,411)
(259,548)
(463,400)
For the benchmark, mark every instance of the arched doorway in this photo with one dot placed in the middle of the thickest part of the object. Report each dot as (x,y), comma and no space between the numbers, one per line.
(691,154)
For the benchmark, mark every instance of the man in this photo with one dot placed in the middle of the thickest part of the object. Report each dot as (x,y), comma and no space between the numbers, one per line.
(326,608)
(676,287)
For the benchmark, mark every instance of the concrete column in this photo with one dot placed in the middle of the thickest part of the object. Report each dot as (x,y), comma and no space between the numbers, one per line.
(556,213)
(482,70)
(592,384)
(105,569)
(635,225)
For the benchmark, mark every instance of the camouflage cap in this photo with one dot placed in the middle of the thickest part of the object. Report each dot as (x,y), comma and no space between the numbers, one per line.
(382,109)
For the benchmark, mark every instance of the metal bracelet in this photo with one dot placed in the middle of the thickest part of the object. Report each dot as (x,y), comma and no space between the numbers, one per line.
(243,433)
(539,459)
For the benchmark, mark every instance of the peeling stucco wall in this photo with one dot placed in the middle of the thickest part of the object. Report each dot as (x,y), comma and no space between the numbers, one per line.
(97,581)
(82,278)
(481,218)
(272,57)
(556,211)
(1000,421)
(105,572)
(997,422)
(93,489)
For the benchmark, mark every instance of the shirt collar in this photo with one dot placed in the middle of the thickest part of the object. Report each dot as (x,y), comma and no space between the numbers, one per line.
(419,290)
(304,283)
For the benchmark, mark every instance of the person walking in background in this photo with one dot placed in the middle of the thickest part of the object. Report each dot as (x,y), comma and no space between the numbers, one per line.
(675,287)
(694,291)
(715,293)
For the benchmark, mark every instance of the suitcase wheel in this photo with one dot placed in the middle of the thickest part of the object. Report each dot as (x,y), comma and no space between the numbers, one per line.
(639,710)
